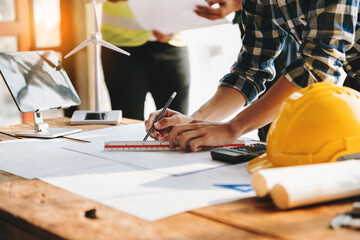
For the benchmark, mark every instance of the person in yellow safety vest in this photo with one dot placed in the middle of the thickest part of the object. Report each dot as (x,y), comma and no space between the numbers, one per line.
(158,63)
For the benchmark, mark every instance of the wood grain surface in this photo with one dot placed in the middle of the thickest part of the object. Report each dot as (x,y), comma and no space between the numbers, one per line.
(43,211)
(32,209)
(260,216)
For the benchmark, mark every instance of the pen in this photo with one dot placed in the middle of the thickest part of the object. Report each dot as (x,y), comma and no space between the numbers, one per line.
(160,115)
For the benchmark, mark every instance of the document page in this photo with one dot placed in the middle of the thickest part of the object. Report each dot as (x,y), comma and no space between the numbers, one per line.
(34,158)
(167,162)
(153,196)
(132,132)
(170,16)
(150,185)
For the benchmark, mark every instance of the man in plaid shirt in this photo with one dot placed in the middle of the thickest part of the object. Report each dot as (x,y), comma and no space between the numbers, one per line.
(328,33)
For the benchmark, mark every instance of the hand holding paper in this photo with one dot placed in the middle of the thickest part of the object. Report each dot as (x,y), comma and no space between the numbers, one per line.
(170,16)
(225,7)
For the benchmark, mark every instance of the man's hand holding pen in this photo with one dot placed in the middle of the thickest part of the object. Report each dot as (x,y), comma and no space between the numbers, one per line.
(165,125)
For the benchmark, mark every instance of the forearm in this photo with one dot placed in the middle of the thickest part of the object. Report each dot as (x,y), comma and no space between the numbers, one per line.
(225,102)
(263,110)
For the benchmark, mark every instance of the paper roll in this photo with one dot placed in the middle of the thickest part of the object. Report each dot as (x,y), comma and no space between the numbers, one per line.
(298,186)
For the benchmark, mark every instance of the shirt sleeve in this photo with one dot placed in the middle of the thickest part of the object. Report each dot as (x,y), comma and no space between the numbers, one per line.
(261,44)
(328,34)
(352,66)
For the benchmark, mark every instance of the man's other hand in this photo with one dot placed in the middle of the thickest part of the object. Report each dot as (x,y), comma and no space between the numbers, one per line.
(225,8)
(161,37)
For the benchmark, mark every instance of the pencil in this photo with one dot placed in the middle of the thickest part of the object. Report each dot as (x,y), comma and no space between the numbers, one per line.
(160,115)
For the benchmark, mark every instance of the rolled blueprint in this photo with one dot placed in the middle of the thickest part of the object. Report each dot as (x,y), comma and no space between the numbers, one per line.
(264,180)
(291,187)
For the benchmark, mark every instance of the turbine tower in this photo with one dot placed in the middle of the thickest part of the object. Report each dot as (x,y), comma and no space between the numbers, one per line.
(97,117)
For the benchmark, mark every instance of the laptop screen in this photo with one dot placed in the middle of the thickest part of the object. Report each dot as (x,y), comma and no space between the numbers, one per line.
(37,81)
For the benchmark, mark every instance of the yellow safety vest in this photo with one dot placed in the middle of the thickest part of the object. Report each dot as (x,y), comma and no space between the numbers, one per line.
(120,28)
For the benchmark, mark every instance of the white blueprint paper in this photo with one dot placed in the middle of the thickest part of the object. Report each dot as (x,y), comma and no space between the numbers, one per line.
(34,158)
(131,132)
(167,162)
(153,196)
(150,185)
(170,16)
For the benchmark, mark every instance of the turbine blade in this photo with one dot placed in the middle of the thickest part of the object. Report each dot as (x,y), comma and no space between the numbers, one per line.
(110,46)
(79,47)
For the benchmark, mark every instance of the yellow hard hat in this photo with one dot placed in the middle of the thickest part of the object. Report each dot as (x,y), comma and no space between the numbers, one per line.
(318,124)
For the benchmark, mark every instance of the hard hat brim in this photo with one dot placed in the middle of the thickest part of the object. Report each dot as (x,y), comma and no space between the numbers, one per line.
(258,163)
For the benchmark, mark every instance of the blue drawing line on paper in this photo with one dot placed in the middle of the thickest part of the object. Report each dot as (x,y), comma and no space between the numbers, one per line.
(238,187)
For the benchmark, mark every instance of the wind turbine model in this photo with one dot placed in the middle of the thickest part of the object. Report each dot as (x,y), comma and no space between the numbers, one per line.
(97,117)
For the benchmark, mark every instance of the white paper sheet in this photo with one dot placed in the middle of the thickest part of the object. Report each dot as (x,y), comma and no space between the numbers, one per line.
(174,163)
(150,185)
(168,162)
(33,158)
(170,16)
(153,196)
(132,132)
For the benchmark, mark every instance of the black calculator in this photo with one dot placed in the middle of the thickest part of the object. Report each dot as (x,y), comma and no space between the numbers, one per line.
(238,154)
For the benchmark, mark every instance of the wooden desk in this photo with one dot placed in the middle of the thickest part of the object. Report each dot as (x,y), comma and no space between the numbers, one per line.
(32,209)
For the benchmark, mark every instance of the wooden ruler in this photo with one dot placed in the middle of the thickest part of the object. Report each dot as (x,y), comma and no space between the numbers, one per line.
(114,146)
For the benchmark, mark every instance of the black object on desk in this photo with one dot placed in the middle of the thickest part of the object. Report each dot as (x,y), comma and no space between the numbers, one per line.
(238,154)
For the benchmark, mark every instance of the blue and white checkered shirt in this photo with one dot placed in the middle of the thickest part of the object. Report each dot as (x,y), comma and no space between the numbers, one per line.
(328,32)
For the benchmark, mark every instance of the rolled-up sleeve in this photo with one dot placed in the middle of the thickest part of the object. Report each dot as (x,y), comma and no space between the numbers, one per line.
(261,44)
(352,65)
